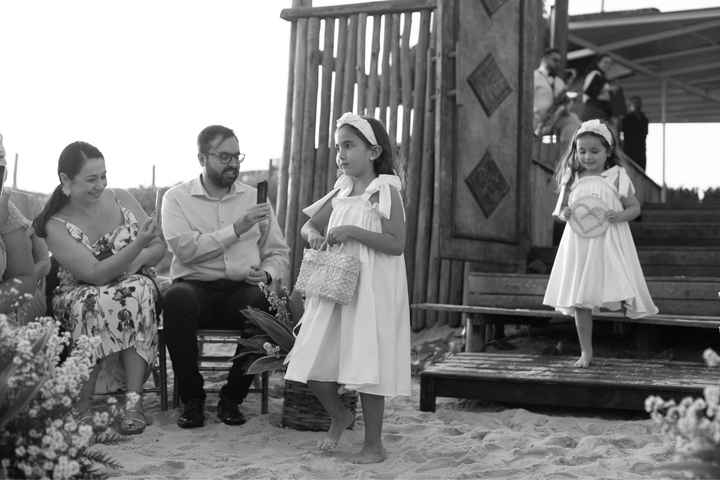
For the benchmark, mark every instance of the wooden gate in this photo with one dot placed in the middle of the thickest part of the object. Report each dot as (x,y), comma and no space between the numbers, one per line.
(485,130)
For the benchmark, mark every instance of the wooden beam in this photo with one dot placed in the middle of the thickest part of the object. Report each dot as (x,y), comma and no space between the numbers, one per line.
(694,68)
(639,40)
(699,14)
(714,78)
(678,53)
(559,28)
(644,70)
(370,8)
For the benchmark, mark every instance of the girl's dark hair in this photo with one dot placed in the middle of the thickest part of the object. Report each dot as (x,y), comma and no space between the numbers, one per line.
(71,161)
(383,165)
(569,161)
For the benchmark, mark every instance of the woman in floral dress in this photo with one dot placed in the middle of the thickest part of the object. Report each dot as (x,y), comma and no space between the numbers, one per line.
(105,244)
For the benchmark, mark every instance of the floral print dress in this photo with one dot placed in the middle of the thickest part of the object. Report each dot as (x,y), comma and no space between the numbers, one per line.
(122,313)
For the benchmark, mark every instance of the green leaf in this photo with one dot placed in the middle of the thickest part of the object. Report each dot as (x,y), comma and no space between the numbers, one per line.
(265,364)
(280,334)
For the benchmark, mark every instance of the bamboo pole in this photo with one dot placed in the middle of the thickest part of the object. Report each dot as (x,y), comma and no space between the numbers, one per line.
(385,75)
(372,93)
(417,266)
(360,63)
(371,8)
(394,73)
(406,88)
(312,60)
(337,97)
(323,152)
(423,157)
(350,55)
(295,166)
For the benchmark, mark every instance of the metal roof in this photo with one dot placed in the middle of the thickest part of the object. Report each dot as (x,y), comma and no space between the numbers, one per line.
(680,47)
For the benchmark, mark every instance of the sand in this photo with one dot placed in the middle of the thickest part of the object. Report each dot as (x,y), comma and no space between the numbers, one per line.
(463,439)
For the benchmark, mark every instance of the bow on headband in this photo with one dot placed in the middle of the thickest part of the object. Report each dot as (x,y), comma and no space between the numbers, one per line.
(596,127)
(360,123)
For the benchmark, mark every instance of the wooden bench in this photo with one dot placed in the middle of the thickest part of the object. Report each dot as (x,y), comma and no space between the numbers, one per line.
(685,302)
(609,383)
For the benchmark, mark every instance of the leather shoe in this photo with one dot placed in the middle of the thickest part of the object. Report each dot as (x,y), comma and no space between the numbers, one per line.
(229,413)
(193,415)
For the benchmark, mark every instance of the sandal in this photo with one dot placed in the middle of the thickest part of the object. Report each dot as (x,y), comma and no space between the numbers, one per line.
(133,420)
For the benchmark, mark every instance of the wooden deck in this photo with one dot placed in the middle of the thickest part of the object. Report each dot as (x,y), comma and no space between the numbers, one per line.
(522,379)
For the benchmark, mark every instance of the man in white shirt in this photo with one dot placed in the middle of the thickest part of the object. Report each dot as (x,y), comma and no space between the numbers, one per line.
(224,245)
(551,112)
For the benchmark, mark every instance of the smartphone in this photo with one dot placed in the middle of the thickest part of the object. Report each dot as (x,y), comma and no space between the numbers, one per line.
(262,190)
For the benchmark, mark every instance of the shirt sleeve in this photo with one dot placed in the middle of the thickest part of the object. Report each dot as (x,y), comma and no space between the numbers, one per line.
(186,243)
(274,251)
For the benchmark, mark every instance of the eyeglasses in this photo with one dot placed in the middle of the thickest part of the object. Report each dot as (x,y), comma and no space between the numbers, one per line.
(225,157)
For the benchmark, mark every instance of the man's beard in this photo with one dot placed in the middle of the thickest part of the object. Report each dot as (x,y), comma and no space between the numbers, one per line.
(220,179)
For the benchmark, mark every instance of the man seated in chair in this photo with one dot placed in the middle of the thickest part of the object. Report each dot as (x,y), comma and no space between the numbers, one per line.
(224,246)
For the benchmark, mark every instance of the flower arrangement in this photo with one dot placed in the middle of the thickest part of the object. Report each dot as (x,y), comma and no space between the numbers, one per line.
(693,425)
(39,434)
(277,339)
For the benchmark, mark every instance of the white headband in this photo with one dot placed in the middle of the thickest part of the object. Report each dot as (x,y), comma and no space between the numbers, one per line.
(598,128)
(349,118)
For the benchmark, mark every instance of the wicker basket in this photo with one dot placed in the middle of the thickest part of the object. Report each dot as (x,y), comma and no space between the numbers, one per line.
(303,411)
(331,275)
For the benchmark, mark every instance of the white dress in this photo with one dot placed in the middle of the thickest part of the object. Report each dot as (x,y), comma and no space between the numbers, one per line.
(364,345)
(602,271)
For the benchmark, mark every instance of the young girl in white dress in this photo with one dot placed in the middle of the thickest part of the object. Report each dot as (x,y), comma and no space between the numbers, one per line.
(363,346)
(601,271)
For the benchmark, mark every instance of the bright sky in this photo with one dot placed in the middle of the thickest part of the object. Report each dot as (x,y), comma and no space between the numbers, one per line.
(139,79)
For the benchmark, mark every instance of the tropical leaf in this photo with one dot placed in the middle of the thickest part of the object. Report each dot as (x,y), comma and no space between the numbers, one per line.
(279,333)
(264,364)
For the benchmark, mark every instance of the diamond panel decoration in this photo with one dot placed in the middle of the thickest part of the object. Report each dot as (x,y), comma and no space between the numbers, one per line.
(492,6)
(487,184)
(489,84)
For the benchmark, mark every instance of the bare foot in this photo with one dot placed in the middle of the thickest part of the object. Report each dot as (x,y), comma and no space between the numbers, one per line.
(583,361)
(369,454)
(337,427)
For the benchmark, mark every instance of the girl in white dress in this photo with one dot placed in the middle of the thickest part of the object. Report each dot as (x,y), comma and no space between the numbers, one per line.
(593,271)
(365,345)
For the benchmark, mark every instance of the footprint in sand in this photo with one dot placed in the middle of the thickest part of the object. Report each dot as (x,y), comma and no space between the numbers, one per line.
(560,441)
(452,431)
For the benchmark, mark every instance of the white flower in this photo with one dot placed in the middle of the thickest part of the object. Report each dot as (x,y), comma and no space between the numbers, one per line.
(712,359)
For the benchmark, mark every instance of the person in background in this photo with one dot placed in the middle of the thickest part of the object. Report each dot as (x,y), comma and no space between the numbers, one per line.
(105,245)
(24,260)
(224,246)
(551,102)
(596,92)
(635,130)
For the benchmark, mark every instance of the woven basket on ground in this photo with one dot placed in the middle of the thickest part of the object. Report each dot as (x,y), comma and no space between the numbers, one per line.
(303,411)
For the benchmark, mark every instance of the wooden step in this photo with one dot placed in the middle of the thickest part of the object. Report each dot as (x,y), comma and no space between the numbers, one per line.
(659,261)
(689,215)
(675,234)
(672,295)
(527,379)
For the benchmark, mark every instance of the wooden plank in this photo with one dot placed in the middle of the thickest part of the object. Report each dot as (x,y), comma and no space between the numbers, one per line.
(360,64)
(320,184)
(337,98)
(369,8)
(406,89)
(385,76)
(350,56)
(282,189)
(457,271)
(374,80)
(701,321)
(443,285)
(609,383)
(295,168)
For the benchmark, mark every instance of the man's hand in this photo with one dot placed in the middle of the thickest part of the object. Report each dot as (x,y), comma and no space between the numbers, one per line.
(340,234)
(256,276)
(255,214)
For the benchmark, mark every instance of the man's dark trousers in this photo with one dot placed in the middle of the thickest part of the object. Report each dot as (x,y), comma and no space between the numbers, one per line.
(189,305)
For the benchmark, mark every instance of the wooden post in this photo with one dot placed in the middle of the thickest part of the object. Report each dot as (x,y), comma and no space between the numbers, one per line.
(663,120)
(385,78)
(15,170)
(559,28)
(373,80)
(337,97)
(394,74)
(153,177)
(323,152)
(350,55)
(360,64)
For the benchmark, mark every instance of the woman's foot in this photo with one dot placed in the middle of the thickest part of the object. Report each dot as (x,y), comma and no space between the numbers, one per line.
(583,361)
(337,427)
(133,420)
(369,454)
